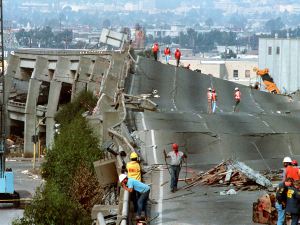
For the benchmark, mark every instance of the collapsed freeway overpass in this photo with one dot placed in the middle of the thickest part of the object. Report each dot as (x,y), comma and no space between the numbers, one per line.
(265,129)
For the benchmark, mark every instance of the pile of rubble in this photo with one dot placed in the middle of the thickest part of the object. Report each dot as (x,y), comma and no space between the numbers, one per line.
(231,173)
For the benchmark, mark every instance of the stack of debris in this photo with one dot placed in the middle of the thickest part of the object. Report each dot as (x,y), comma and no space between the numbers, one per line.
(232,173)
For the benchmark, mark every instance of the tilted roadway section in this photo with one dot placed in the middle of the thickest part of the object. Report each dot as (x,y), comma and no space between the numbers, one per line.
(265,129)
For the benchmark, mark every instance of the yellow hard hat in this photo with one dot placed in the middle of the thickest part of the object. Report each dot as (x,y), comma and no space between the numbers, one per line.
(133,155)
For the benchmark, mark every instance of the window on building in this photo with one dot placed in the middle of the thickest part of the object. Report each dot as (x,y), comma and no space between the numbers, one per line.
(278,50)
(235,73)
(247,73)
(270,51)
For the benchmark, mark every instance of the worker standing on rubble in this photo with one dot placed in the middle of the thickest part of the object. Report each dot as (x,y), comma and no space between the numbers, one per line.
(177,56)
(130,184)
(291,171)
(133,169)
(237,98)
(209,95)
(293,202)
(281,198)
(155,50)
(213,100)
(176,161)
(286,161)
(167,53)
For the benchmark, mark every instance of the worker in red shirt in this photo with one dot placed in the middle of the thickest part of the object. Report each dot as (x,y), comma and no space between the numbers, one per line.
(209,100)
(155,50)
(237,98)
(167,53)
(213,100)
(177,56)
(292,171)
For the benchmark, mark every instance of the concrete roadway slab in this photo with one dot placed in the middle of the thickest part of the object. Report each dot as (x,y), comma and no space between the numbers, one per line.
(265,130)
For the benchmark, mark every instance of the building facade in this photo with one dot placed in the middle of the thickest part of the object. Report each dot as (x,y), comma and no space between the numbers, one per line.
(282,57)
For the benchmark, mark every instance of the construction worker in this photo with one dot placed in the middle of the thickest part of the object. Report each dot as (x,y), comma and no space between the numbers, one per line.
(167,53)
(213,100)
(292,171)
(237,98)
(281,198)
(155,50)
(176,161)
(209,105)
(177,56)
(130,185)
(133,169)
(293,202)
(286,161)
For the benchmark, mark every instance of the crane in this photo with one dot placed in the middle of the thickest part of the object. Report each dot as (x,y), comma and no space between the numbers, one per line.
(267,79)
(7,190)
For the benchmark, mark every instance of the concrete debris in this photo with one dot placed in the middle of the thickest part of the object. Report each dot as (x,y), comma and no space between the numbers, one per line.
(231,173)
(229,192)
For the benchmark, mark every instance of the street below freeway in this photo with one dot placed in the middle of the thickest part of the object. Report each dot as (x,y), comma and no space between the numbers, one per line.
(25,184)
(265,130)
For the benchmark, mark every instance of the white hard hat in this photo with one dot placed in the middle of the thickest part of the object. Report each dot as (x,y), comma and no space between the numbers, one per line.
(209,89)
(122,177)
(236,89)
(287,160)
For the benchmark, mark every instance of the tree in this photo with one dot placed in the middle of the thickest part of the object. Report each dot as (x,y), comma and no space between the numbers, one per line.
(62,199)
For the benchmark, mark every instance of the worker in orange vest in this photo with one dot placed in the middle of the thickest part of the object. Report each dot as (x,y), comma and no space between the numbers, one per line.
(213,100)
(209,106)
(237,98)
(155,50)
(167,54)
(177,56)
(134,171)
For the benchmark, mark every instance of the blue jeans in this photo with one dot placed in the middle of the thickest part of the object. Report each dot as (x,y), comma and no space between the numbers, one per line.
(295,218)
(281,214)
(175,170)
(142,203)
(167,59)
(214,105)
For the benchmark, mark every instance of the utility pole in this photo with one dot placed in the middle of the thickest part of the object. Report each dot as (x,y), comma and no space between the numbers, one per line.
(2,103)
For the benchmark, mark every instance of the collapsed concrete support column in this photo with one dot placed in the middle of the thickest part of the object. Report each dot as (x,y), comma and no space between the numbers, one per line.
(62,74)
(101,66)
(82,76)
(31,103)
(13,65)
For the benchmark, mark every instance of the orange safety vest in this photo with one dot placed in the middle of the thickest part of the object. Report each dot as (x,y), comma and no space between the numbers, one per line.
(214,96)
(177,54)
(134,170)
(155,48)
(167,51)
(292,172)
(237,95)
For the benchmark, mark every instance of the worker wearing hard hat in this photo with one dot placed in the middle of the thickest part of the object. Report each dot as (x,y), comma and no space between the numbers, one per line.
(177,56)
(155,50)
(237,98)
(167,53)
(176,161)
(133,169)
(131,185)
(290,170)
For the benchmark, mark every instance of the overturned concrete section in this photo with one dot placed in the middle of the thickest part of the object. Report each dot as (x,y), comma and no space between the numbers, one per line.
(263,131)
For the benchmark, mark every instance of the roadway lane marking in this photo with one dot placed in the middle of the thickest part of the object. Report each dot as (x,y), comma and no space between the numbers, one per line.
(266,123)
(204,123)
(174,90)
(143,121)
(161,195)
(153,146)
(161,176)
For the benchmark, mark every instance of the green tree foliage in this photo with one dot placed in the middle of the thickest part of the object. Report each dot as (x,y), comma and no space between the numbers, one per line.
(74,151)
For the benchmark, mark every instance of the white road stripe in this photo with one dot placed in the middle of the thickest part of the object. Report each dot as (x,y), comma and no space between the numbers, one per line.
(143,121)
